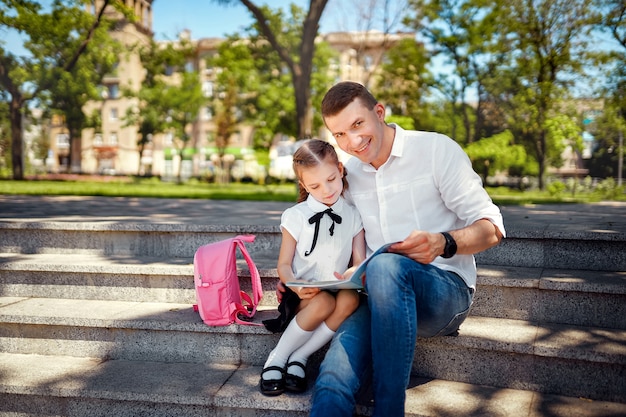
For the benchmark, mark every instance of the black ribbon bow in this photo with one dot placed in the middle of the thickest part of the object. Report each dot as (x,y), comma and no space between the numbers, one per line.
(317,218)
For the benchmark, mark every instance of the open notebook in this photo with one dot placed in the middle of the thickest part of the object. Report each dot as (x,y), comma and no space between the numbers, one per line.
(354,283)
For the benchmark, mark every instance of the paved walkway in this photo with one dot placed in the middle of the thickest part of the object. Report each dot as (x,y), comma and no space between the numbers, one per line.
(607,216)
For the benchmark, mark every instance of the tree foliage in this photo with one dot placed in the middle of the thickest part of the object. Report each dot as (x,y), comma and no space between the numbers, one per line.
(264,87)
(496,154)
(300,65)
(60,68)
(547,41)
(170,97)
(519,58)
(403,88)
(462,32)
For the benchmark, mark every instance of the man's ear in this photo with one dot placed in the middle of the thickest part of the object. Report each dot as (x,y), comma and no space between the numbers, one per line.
(380,112)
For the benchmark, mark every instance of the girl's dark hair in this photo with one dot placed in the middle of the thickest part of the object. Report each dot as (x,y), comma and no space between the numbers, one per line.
(342,94)
(312,153)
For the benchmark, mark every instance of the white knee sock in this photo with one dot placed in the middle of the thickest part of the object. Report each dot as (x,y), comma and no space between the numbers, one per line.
(292,338)
(319,338)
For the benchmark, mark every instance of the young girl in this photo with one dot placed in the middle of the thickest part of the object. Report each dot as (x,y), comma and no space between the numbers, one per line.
(320,235)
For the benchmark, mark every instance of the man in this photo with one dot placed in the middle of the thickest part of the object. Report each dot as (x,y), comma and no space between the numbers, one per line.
(417,189)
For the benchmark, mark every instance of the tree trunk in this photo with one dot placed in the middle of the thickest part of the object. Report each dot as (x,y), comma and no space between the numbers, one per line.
(541,157)
(303,105)
(76,151)
(300,71)
(17,144)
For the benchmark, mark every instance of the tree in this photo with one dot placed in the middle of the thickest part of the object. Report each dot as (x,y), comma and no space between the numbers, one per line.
(614,20)
(5,136)
(301,67)
(461,31)
(607,129)
(168,100)
(403,87)
(238,84)
(149,109)
(183,102)
(56,42)
(374,21)
(495,154)
(264,91)
(542,44)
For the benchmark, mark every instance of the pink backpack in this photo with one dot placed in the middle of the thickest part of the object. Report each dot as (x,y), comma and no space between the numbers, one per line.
(219,297)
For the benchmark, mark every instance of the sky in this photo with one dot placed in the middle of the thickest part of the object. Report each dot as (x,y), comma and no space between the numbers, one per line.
(207,18)
(204,18)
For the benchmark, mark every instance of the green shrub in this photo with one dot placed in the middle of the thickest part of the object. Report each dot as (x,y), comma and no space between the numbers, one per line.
(555,188)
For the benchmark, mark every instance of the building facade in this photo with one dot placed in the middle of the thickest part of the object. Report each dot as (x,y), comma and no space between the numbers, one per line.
(114,149)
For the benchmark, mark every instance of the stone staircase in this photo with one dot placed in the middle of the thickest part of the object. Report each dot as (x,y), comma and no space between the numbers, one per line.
(97,319)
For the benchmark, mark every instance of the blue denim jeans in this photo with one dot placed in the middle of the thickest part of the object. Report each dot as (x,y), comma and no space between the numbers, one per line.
(405,300)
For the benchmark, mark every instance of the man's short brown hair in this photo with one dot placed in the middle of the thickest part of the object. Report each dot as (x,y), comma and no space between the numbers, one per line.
(342,94)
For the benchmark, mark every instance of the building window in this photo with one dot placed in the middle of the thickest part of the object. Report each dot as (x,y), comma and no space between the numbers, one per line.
(207,88)
(114,90)
(114,114)
(113,139)
(110,91)
(146,17)
(207,114)
(169,139)
(63,141)
(97,139)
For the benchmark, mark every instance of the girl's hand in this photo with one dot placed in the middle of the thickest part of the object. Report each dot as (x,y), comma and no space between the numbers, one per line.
(347,274)
(306,293)
(280,291)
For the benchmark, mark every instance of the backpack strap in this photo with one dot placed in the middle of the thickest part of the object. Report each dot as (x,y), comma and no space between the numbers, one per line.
(249,310)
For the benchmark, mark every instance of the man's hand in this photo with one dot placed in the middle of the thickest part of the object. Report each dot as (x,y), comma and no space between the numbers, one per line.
(421,246)
(424,247)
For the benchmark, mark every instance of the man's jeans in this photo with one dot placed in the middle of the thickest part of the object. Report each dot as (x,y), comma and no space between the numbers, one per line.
(406,299)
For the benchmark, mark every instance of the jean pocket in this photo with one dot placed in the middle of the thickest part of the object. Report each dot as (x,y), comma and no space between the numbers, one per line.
(452,328)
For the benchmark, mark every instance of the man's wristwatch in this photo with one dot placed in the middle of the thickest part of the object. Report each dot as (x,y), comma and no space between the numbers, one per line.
(450,249)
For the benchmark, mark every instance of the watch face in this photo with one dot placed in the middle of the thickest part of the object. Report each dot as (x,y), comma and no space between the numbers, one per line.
(450,248)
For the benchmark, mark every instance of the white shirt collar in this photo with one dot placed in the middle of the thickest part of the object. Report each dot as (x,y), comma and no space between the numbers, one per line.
(397,148)
(318,207)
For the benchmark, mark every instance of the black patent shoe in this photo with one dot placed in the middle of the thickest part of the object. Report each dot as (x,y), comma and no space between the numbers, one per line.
(294,383)
(272,387)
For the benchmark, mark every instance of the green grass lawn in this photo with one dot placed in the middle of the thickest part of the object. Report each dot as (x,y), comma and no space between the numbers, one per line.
(127,187)
(153,187)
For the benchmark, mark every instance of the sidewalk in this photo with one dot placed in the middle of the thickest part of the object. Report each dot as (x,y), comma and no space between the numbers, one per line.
(607,217)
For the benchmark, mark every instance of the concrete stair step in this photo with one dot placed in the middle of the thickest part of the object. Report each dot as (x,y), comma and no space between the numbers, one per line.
(578,297)
(557,249)
(134,239)
(598,250)
(113,277)
(36,385)
(559,359)
(588,298)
